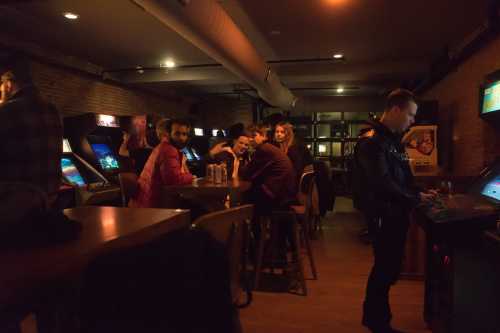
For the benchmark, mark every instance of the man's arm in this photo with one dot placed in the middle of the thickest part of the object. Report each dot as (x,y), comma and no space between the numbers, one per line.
(371,157)
(170,169)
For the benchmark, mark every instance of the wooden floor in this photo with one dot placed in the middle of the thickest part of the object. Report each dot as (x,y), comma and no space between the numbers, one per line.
(335,299)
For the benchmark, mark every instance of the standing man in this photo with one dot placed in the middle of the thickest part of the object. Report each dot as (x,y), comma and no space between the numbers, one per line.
(166,165)
(389,195)
(30,131)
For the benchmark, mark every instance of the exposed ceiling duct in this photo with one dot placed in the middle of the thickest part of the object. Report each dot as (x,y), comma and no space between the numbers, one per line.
(206,25)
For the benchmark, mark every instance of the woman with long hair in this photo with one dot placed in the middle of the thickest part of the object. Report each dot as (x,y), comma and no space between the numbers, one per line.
(296,152)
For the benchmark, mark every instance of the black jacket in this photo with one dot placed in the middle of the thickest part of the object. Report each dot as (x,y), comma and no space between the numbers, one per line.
(382,181)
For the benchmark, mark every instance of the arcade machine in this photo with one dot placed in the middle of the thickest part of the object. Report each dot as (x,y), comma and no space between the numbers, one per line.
(90,185)
(462,287)
(96,138)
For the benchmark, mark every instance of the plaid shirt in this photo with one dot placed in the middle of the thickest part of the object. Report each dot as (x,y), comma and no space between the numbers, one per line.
(30,141)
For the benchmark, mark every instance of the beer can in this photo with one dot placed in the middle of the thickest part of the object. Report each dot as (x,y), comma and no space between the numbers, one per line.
(218,174)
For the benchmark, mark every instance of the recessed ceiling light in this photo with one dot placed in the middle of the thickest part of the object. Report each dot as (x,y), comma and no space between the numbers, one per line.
(340,90)
(168,64)
(71,16)
(338,56)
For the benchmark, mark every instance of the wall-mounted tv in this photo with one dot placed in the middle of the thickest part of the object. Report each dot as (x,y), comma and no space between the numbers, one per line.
(489,100)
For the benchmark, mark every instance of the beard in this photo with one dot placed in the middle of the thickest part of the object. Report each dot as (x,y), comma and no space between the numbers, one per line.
(177,144)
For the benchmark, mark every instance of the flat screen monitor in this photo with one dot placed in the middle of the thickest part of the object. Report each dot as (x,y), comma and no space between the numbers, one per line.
(66,146)
(70,172)
(105,156)
(490,99)
(198,131)
(190,157)
(214,132)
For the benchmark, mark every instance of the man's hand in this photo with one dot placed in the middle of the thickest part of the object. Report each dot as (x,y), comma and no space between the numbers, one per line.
(184,168)
(218,148)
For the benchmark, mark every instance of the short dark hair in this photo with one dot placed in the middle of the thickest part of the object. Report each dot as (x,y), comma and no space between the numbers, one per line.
(258,128)
(15,67)
(171,122)
(400,98)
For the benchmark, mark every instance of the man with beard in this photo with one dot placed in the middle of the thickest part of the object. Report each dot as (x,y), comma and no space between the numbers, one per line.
(165,167)
(30,131)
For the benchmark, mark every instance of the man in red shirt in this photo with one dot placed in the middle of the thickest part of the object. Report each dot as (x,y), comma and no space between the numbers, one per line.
(166,166)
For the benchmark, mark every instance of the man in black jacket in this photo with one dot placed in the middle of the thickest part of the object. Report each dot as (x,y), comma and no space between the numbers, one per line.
(387,197)
(234,154)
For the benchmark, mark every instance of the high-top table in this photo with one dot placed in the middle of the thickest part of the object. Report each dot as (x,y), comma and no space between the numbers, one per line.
(210,195)
(24,272)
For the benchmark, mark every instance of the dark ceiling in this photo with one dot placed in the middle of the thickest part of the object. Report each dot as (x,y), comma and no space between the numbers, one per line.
(385,43)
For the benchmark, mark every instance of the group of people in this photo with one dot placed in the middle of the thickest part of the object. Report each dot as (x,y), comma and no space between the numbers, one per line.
(272,164)
(31,133)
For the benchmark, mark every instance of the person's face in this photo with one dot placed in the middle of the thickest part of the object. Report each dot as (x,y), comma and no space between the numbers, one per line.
(5,89)
(179,135)
(406,116)
(241,145)
(279,134)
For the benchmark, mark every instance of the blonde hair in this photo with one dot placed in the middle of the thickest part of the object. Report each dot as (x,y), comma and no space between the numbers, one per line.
(289,136)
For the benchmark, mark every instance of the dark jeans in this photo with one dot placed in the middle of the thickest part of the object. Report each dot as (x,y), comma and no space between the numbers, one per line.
(388,249)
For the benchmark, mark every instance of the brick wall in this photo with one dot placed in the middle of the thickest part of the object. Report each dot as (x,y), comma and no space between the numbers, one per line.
(475,143)
(75,93)
(222,113)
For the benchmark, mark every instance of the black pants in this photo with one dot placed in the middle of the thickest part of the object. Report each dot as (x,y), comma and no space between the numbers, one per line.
(388,249)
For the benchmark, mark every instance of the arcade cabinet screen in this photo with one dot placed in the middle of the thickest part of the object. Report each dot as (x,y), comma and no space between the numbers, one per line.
(66,147)
(492,188)
(195,154)
(491,98)
(70,172)
(198,131)
(105,156)
(107,121)
(186,151)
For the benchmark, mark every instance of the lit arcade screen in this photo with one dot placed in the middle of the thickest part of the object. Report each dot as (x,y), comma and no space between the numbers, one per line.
(491,98)
(105,156)
(70,172)
(492,189)
(66,146)
(188,154)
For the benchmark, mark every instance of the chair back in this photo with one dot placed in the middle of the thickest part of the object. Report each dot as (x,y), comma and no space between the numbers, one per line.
(230,227)
(128,186)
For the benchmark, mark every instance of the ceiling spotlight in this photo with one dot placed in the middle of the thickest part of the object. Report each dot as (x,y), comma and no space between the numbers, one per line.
(338,56)
(340,90)
(70,16)
(168,64)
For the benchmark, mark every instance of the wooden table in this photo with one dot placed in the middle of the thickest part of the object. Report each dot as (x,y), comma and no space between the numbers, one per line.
(26,271)
(210,195)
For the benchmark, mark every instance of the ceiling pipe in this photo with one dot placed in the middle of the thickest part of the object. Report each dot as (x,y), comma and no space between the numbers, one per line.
(206,25)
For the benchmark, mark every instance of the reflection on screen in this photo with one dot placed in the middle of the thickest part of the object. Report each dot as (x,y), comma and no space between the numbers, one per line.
(105,156)
(195,153)
(70,172)
(492,189)
(66,146)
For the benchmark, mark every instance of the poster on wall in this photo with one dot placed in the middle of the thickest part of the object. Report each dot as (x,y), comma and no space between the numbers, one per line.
(421,146)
